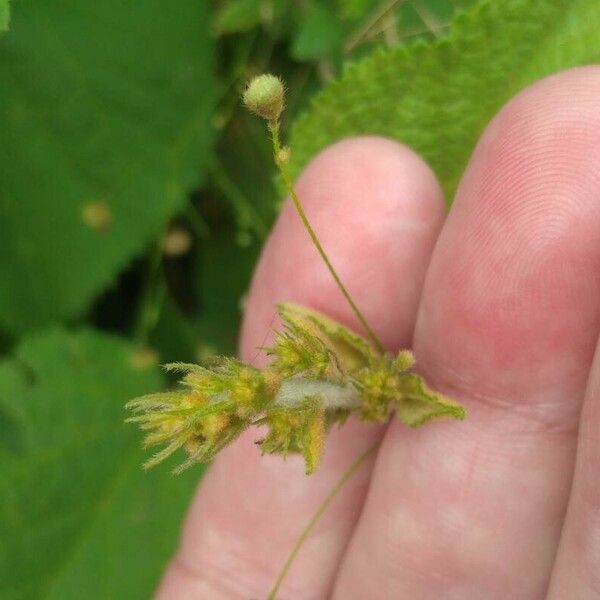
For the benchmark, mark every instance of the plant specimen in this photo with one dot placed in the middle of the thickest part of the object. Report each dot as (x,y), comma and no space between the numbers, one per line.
(321,372)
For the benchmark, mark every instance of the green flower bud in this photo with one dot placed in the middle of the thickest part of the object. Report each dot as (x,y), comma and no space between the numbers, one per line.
(264,96)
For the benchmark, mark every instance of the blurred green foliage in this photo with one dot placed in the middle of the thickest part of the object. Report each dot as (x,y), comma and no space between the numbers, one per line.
(102,107)
(438,97)
(75,505)
(4,15)
(135,195)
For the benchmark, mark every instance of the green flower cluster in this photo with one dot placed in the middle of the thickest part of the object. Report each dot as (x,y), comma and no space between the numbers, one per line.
(321,373)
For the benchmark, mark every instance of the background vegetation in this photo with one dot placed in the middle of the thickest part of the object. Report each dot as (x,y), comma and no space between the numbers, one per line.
(135,194)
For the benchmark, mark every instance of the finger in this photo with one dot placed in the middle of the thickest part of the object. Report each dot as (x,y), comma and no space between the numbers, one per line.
(507,325)
(377,209)
(576,571)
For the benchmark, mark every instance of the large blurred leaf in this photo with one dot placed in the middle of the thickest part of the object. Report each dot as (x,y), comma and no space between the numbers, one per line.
(438,97)
(320,33)
(237,16)
(104,126)
(354,8)
(4,15)
(78,516)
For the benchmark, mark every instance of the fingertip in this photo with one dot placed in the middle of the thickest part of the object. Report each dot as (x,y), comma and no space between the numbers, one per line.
(511,295)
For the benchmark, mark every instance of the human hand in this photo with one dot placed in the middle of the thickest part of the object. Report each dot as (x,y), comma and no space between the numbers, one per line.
(503,315)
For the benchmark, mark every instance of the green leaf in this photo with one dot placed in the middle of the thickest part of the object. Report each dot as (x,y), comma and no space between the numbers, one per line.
(438,97)
(355,9)
(78,516)
(319,35)
(237,16)
(104,128)
(4,15)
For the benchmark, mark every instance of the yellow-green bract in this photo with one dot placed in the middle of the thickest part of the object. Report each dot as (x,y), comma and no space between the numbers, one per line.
(321,373)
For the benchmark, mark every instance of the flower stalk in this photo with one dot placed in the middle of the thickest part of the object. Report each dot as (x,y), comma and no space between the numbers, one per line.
(320,374)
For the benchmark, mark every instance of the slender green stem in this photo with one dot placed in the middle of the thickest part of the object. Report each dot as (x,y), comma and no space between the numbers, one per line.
(153,295)
(318,514)
(197,223)
(281,164)
(246,214)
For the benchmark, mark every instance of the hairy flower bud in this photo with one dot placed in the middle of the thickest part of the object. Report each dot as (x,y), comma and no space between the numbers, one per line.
(264,96)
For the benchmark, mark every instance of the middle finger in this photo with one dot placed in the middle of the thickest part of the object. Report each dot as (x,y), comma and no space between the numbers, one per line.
(507,324)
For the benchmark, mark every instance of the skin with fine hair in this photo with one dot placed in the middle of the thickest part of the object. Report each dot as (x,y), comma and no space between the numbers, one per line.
(500,300)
